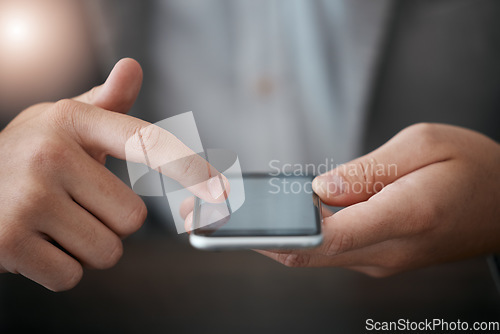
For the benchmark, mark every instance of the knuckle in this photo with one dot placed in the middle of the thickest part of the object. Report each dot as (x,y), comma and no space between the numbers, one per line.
(339,243)
(143,139)
(12,240)
(112,254)
(423,135)
(49,154)
(62,111)
(69,278)
(188,165)
(361,175)
(134,220)
(295,260)
(395,262)
(366,176)
(422,129)
(378,272)
(64,105)
(91,94)
(36,201)
(150,137)
(68,115)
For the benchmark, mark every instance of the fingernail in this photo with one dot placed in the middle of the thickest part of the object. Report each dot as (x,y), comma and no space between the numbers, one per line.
(215,186)
(329,185)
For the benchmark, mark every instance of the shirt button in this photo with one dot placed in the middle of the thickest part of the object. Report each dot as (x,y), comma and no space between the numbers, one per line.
(264,86)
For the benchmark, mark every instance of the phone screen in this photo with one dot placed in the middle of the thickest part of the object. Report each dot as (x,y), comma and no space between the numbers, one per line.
(273,206)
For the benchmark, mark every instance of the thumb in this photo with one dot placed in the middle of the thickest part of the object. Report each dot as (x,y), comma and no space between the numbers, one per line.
(359,179)
(354,182)
(119,91)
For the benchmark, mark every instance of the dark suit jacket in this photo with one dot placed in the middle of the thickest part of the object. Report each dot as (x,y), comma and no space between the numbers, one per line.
(440,63)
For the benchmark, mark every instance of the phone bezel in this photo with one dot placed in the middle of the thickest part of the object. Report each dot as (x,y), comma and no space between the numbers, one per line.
(261,241)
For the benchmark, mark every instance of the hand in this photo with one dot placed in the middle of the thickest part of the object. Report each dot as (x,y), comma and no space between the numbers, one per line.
(429,195)
(55,192)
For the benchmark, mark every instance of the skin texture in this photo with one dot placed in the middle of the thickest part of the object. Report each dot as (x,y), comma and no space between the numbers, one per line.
(429,195)
(61,208)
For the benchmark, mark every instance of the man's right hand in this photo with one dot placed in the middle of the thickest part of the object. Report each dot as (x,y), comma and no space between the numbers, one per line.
(60,208)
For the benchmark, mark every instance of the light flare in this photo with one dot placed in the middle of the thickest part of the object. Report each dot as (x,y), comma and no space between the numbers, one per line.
(44,52)
(16,30)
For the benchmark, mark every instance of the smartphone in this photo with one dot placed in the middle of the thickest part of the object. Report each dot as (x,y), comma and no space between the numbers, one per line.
(278,212)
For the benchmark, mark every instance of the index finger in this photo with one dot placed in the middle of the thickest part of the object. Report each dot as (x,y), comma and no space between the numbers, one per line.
(127,137)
